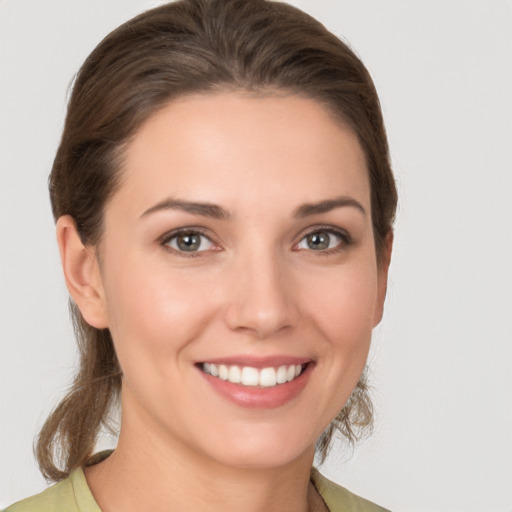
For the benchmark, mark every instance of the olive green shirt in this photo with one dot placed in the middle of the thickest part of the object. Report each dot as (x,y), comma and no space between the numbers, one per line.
(73,495)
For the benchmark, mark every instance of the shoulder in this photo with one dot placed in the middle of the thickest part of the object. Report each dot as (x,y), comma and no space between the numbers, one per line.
(69,495)
(339,499)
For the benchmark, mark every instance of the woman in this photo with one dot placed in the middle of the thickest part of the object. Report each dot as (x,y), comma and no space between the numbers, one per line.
(224,206)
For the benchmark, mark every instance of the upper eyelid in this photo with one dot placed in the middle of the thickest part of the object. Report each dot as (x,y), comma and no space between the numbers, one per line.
(186,229)
(336,230)
(165,242)
(328,228)
(345,239)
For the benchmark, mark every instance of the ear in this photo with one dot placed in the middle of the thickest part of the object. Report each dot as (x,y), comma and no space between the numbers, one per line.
(382,277)
(82,273)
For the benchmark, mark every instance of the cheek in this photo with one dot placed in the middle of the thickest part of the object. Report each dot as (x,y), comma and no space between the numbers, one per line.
(341,306)
(152,312)
(343,310)
(344,306)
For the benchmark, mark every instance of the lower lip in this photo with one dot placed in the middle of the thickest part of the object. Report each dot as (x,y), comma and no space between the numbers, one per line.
(260,397)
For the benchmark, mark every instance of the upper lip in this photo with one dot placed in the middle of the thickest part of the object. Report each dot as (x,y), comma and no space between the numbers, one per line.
(257,361)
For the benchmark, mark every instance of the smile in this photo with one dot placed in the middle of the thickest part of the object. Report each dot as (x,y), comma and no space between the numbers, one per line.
(254,377)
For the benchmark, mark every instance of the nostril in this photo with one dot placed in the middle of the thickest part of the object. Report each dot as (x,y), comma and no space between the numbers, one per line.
(263,319)
(260,299)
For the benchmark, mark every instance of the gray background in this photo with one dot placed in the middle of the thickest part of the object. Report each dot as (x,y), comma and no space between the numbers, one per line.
(442,358)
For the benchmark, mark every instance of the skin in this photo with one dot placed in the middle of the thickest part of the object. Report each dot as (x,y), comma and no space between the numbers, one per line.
(255,288)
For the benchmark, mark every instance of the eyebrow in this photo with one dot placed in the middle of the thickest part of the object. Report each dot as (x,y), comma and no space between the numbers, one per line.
(204,209)
(217,212)
(326,206)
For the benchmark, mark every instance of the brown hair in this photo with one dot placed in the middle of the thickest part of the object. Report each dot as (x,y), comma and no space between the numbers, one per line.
(192,46)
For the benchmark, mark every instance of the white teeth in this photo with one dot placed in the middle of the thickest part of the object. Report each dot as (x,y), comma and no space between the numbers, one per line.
(267,377)
(248,376)
(281,376)
(223,372)
(235,374)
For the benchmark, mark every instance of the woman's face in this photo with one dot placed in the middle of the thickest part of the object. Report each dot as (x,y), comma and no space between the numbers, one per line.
(240,243)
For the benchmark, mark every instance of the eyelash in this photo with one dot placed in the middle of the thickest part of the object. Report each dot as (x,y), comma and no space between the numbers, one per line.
(166,239)
(346,240)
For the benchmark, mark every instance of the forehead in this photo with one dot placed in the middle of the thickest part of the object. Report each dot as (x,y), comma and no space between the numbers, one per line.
(239,149)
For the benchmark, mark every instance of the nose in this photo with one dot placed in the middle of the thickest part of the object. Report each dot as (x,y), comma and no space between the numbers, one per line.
(262,298)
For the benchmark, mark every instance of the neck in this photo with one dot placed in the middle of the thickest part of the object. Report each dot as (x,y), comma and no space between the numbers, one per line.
(150,472)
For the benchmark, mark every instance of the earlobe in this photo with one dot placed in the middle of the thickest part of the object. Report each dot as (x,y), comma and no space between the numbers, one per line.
(382,277)
(82,273)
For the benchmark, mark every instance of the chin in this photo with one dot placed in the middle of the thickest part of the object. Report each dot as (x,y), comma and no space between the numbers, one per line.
(261,451)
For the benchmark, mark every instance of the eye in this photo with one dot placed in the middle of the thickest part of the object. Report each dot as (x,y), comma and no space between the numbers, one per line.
(188,241)
(323,240)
